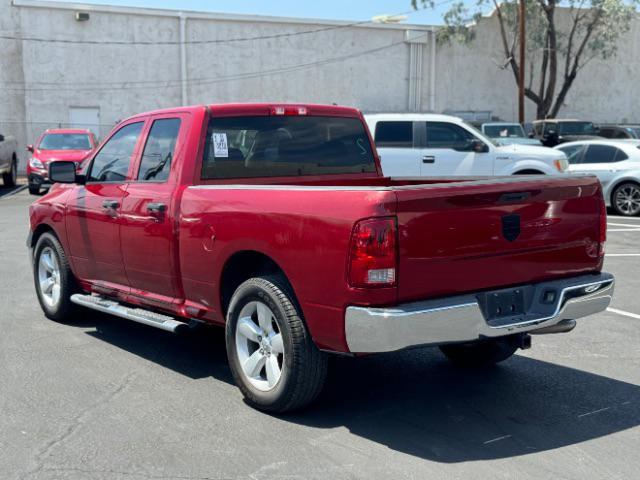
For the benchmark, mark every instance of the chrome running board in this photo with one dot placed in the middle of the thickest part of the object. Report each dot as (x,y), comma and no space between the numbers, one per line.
(146,317)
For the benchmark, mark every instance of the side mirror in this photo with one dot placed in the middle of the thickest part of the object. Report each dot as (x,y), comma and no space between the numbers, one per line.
(479,146)
(1,138)
(64,172)
(30,148)
(531,135)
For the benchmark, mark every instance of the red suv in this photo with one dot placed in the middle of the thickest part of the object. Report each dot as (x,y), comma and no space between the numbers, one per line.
(53,145)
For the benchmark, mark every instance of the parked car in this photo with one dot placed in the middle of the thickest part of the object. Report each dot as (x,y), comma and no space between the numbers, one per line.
(619,131)
(503,133)
(616,163)
(55,145)
(275,221)
(430,145)
(8,160)
(554,131)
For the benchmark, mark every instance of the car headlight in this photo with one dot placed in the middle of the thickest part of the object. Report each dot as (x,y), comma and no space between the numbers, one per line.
(35,163)
(561,164)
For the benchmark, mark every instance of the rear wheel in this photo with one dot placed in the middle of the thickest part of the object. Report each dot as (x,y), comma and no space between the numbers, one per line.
(53,278)
(626,199)
(480,354)
(11,177)
(34,189)
(272,357)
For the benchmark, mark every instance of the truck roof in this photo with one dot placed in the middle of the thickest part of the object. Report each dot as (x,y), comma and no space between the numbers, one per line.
(258,109)
(413,117)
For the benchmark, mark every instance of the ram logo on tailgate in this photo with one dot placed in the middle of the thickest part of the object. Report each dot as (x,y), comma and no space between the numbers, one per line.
(511,227)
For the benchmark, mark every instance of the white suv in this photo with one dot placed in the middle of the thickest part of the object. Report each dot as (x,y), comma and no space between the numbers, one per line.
(431,145)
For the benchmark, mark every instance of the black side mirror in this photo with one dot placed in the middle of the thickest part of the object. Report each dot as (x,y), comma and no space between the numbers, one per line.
(1,138)
(64,172)
(479,146)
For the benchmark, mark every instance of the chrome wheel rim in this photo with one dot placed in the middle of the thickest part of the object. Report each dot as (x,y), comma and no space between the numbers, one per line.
(628,199)
(49,277)
(259,346)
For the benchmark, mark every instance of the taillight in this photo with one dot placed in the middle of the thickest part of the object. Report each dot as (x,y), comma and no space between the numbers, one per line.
(373,257)
(603,228)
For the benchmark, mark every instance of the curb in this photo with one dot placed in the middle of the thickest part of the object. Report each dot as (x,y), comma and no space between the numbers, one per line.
(13,192)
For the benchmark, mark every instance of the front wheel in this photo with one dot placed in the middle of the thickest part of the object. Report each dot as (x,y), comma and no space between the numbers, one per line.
(626,199)
(34,189)
(11,177)
(272,357)
(53,278)
(482,353)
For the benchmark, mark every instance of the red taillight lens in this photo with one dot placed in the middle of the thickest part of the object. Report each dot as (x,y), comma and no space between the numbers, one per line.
(288,110)
(603,228)
(373,258)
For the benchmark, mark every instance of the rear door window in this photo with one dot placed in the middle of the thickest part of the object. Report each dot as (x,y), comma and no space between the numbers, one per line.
(159,150)
(272,146)
(603,154)
(111,163)
(394,134)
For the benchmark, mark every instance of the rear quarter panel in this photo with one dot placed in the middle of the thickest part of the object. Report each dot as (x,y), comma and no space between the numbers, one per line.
(305,230)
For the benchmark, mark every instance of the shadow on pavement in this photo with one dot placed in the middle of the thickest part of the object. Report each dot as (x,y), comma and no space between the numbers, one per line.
(416,403)
(8,191)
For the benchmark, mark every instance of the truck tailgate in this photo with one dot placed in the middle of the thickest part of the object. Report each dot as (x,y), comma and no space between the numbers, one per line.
(483,234)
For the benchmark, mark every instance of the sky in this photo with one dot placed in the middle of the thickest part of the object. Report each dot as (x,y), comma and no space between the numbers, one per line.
(357,10)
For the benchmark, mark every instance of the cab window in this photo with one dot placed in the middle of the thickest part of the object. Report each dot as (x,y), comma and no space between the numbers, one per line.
(159,150)
(111,164)
(449,135)
(394,134)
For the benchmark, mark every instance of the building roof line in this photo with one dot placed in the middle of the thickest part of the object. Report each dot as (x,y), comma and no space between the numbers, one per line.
(161,12)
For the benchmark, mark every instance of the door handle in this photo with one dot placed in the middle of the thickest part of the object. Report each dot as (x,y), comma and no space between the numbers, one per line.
(156,207)
(110,204)
(428,159)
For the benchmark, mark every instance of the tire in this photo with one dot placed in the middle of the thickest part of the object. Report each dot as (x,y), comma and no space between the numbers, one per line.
(302,367)
(10,179)
(483,353)
(625,199)
(51,267)
(34,189)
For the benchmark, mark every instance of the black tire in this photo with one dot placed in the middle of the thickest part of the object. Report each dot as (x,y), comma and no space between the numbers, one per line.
(626,210)
(63,309)
(304,367)
(480,354)
(34,189)
(9,179)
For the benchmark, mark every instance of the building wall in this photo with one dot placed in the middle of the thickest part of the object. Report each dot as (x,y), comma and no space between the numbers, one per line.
(372,67)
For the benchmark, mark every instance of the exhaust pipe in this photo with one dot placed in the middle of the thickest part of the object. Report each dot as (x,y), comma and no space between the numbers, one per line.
(560,327)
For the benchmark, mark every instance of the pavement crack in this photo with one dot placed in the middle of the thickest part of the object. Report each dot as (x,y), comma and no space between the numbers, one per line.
(76,422)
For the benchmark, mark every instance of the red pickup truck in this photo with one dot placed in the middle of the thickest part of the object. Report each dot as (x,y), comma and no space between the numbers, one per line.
(275,221)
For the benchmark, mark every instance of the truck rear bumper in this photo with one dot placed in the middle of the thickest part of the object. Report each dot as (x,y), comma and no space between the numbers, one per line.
(466,318)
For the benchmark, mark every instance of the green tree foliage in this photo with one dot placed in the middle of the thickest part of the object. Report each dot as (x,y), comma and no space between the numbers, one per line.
(561,38)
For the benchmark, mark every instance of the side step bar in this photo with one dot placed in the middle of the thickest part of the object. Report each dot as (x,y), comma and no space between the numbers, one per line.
(153,319)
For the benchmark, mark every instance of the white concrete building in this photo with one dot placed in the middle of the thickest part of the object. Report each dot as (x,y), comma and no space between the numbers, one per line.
(121,61)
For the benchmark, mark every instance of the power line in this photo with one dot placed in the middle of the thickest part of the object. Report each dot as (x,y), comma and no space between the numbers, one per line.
(221,79)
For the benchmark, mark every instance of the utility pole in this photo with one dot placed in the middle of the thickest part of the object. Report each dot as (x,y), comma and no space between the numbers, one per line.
(521,70)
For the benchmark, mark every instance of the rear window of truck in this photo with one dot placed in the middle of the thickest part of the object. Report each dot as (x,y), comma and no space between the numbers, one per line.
(274,146)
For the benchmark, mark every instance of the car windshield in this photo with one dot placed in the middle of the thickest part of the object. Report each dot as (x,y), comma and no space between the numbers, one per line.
(575,128)
(504,131)
(238,147)
(65,141)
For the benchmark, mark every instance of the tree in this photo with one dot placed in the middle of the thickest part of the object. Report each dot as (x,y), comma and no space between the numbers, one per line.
(561,39)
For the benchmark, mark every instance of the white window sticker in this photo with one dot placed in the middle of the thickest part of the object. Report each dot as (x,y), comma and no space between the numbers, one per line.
(220,147)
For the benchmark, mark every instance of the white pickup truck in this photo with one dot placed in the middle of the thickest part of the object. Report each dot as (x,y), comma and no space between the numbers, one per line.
(8,160)
(431,145)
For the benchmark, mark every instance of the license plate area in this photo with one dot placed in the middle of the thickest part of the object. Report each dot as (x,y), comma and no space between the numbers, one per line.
(505,306)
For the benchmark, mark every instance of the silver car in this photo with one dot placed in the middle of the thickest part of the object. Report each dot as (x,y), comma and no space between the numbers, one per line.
(616,163)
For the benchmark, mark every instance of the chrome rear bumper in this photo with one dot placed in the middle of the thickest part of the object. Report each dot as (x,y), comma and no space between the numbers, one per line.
(461,318)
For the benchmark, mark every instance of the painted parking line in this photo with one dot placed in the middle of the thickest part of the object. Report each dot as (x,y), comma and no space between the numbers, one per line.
(623,229)
(624,219)
(623,225)
(622,254)
(623,313)
(12,191)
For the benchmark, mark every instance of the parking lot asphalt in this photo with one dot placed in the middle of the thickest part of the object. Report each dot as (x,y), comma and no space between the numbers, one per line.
(105,398)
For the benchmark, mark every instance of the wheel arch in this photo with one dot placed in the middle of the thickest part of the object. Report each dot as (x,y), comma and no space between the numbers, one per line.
(243,265)
(528,171)
(39,231)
